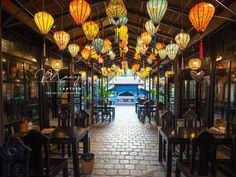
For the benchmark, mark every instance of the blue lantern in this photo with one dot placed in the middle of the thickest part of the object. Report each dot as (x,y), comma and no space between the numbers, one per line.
(121,21)
(98,44)
(156,9)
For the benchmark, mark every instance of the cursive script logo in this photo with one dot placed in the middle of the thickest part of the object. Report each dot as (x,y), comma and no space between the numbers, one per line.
(49,76)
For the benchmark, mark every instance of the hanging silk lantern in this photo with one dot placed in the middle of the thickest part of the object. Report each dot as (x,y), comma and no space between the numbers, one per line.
(56,64)
(143,49)
(137,56)
(148,69)
(61,38)
(124,64)
(172,50)
(100,60)
(194,63)
(162,53)
(122,32)
(73,49)
(95,78)
(83,74)
(159,46)
(117,71)
(113,67)
(200,15)
(121,21)
(85,53)
(146,38)
(98,44)
(80,11)
(149,61)
(104,71)
(112,56)
(152,57)
(93,54)
(135,67)
(116,9)
(149,26)
(107,46)
(90,29)
(169,74)
(139,41)
(182,39)
(156,9)
(143,74)
(44,22)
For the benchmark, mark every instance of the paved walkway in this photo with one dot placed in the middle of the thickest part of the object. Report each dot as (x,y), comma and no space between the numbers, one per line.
(125,147)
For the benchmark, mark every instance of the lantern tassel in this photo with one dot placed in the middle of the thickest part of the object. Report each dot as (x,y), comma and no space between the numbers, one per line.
(154,41)
(201,50)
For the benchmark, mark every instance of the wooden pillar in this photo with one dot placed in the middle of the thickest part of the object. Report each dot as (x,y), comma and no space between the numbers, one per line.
(211,95)
(92,94)
(228,95)
(157,95)
(153,87)
(1,83)
(107,88)
(72,92)
(87,87)
(81,93)
(102,87)
(176,81)
(165,93)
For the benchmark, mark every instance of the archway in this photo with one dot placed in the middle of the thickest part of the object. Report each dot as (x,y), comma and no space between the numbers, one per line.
(125,98)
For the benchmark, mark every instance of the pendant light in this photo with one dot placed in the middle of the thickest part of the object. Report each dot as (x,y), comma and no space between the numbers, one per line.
(61,38)
(194,63)
(107,46)
(44,22)
(172,50)
(80,11)
(121,21)
(90,29)
(150,27)
(98,44)
(116,9)
(156,9)
(56,64)
(162,53)
(73,49)
(146,38)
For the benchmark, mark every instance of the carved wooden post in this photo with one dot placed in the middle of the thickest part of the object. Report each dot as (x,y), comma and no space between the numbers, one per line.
(72,92)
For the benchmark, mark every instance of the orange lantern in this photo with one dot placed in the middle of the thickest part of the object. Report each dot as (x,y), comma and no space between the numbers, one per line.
(80,11)
(159,46)
(61,38)
(200,15)
(137,56)
(107,46)
(152,57)
(135,67)
(85,53)
(146,38)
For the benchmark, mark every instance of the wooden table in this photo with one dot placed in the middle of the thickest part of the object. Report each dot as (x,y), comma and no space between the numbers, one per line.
(183,136)
(143,109)
(71,136)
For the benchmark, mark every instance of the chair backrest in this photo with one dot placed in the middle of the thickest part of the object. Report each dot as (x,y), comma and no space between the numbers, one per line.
(168,119)
(206,144)
(39,143)
(64,118)
(81,118)
(14,156)
(190,119)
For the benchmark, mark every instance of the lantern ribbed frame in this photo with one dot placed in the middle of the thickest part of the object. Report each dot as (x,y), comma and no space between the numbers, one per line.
(156,9)
(146,38)
(172,50)
(150,27)
(80,11)
(182,39)
(162,53)
(90,29)
(73,49)
(194,63)
(116,9)
(98,44)
(44,22)
(61,38)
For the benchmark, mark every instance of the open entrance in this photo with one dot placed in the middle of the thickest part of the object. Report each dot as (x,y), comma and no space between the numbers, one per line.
(126,98)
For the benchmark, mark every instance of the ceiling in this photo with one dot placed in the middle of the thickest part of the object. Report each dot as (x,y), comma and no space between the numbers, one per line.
(172,23)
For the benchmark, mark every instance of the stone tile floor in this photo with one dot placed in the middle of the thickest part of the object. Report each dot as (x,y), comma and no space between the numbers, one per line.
(125,147)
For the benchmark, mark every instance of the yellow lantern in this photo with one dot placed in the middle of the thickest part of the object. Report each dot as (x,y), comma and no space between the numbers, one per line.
(172,50)
(44,22)
(200,15)
(143,49)
(194,63)
(95,77)
(83,74)
(148,69)
(73,49)
(169,73)
(104,71)
(146,38)
(156,9)
(135,67)
(182,39)
(80,11)
(92,52)
(90,29)
(62,38)
(107,46)
(116,9)
(56,64)
(159,46)
(122,32)
(143,73)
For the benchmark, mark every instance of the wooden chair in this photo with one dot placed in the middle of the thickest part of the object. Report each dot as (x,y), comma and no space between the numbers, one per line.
(41,165)
(190,119)
(168,119)
(14,156)
(228,166)
(206,145)
(106,113)
(64,118)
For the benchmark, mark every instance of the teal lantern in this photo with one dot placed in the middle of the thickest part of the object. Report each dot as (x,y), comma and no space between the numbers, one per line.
(98,44)
(156,9)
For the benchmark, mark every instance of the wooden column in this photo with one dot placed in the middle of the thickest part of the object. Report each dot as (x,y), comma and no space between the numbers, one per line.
(92,106)
(102,80)
(1,83)
(228,95)
(149,87)
(157,95)
(211,93)
(72,92)
(165,92)
(176,81)
(81,93)
(87,87)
